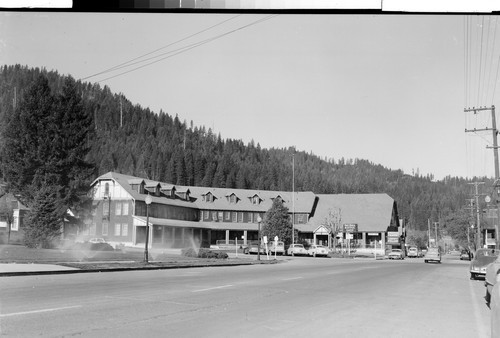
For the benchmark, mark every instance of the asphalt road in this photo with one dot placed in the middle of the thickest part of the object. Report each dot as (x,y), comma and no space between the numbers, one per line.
(303,296)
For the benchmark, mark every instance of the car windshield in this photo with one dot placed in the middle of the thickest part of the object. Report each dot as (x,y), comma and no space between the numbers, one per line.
(298,245)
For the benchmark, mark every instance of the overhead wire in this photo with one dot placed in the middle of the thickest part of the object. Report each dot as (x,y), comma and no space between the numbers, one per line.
(187,48)
(121,65)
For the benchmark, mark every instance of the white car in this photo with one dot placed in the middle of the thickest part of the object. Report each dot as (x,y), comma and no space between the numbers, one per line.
(296,249)
(396,254)
(317,250)
(97,240)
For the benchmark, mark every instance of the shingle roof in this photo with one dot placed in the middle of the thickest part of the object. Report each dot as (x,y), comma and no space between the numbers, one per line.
(372,212)
(304,201)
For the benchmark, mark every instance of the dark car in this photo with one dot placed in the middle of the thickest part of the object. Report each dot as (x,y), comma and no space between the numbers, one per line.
(465,255)
(482,258)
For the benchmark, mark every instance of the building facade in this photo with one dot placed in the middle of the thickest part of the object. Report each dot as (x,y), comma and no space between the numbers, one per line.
(181,216)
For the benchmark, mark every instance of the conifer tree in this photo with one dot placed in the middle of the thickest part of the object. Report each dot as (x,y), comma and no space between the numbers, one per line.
(277,222)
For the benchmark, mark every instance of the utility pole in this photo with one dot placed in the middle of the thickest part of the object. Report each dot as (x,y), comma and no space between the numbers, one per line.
(121,111)
(429,231)
(478,227)
(496,185)
(293,196)
(436,232)
(471,202)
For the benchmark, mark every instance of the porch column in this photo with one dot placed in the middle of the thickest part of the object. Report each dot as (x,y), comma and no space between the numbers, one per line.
(383,241)
(227,237)
(245,239)
(363,235)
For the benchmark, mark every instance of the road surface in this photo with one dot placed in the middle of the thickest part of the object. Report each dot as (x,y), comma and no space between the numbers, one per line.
(302,296)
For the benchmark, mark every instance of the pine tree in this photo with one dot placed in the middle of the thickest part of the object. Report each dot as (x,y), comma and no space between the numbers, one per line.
(43,157)
(277,222)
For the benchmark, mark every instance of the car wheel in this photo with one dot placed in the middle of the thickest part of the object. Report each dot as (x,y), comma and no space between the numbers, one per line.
(473,276)
(314,254)
(426,261)
(293,253)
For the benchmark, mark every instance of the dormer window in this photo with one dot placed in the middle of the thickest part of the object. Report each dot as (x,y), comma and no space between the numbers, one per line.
(255,199)
(233,199)
(209,197)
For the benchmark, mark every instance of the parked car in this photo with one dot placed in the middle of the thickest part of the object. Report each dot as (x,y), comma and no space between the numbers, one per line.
(279,248)
(482,258)
(396,254)
(413,252)
(296,249)
(464,255)
(492,272)
(253,248)
(432,255)
(495,308)
(317,250)
(97,240)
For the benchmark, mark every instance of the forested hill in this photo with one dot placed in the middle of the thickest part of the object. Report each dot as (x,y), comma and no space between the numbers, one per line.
(133,140)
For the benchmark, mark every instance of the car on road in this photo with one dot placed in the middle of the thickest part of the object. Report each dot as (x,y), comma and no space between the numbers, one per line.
(317,250)
(253,248)
(432,255)
(279,248)
(482,258)
(413,252)
(296,249)
(396,254)
(464,255)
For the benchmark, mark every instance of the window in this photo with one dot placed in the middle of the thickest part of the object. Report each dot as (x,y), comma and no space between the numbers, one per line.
(300,219)
(227,215)
(125,208)
(125,230)
(232,198)
(106,189)
(15,223)
(117,229)
(255,199)
(118,209)
(105,208)
(220,216)
(240,217)
(235,216)
(214,215)
(250,217)
(104,228)
(206,215)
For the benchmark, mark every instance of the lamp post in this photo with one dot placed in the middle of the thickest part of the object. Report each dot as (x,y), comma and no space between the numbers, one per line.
(148,201)
(258,235)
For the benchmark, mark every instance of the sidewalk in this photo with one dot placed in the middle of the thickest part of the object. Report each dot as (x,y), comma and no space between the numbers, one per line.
(20,261)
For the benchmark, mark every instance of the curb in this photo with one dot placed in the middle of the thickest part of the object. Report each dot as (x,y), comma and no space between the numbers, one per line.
(120,269)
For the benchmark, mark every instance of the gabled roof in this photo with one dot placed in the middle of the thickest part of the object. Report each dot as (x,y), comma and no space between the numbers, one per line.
(304,201)
(372,212)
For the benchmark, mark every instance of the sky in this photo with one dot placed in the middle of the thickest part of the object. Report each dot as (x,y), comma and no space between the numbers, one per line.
(390,89)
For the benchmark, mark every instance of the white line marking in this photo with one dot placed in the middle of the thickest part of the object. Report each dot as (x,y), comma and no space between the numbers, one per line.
(293,278)
(39,311)
(214,288)
(477,315)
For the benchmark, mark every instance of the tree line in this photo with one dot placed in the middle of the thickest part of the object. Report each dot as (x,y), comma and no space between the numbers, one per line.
(127,138)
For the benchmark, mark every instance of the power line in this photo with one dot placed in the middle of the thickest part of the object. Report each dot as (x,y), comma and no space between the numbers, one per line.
(158,49)
(187,48)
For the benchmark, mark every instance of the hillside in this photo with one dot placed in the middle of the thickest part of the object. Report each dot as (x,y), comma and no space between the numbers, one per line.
(133,140)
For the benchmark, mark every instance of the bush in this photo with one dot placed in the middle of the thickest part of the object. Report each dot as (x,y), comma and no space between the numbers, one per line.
(203,253)
(189,252)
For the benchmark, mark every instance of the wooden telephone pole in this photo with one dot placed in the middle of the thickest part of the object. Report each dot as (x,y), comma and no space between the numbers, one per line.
(496,184)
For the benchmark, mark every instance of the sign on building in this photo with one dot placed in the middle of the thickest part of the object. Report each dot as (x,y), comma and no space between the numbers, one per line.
(392,237)
(353,227)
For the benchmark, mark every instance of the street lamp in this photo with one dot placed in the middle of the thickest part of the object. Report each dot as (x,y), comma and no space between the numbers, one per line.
(258,235)
(148,201)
